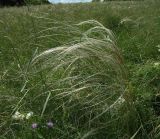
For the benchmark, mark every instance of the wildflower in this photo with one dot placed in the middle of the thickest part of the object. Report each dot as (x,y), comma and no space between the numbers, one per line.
(156,64)
(50,124)
(120,100)
(18,116)
(34,125)
(158,46)
(29,115)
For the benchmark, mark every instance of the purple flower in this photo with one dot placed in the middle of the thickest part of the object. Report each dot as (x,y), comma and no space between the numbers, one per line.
(34,125)
(50,124)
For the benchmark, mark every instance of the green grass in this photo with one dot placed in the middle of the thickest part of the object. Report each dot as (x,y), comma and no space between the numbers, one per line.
(94,80)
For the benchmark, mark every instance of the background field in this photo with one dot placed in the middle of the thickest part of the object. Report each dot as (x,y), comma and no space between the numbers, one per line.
(25,32)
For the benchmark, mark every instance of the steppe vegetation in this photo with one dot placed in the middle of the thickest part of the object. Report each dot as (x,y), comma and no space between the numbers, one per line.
(80,71)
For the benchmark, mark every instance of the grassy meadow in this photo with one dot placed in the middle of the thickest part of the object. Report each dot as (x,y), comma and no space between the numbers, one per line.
(80,71)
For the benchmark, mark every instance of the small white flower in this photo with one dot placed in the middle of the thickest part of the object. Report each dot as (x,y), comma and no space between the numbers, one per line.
(156,64)
(120,100)
(29,115)
(158,46)
(18,116)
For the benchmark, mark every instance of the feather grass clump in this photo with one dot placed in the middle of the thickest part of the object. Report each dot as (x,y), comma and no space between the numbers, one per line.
(86,77)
